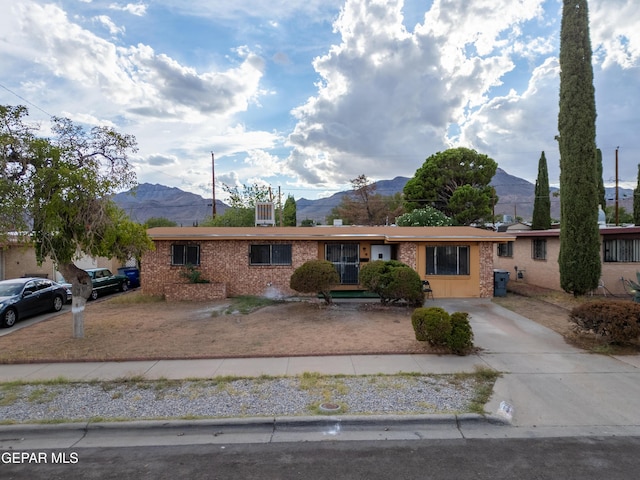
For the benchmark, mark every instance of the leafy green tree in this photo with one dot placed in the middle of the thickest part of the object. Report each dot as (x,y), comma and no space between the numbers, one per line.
(315,276)
(623,215)
(159,222)
(636,201)
(67,183)
(242,206)
(542,202)
(437,181)
(579,258)
(423,217)
(289,212)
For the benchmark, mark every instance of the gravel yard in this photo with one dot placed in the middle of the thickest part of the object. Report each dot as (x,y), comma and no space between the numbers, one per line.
(308,394)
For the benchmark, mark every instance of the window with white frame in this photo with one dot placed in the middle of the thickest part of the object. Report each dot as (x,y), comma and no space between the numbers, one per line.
(185,254)
(270,254)
(622,250)
(505,249)
(448,260)
(539,248)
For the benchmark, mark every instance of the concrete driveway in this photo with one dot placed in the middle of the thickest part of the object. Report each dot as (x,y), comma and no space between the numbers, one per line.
(549,383)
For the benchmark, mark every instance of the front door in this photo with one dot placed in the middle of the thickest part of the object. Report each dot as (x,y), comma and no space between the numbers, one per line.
(346,258)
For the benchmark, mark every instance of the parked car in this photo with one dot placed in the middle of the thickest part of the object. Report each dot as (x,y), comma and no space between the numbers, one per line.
(24,297)
(104,282)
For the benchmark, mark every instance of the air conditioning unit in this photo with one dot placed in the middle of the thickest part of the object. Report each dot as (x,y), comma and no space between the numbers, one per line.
(265,213)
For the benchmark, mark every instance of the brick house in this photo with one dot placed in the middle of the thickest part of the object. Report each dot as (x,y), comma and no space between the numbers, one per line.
(458,261)
(535,254)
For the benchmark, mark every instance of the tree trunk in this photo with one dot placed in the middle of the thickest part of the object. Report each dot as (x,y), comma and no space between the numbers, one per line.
(81,288)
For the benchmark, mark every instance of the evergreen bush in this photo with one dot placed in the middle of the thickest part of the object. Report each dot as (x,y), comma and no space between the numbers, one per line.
(315,276)
(435,326)
(460,340)
(392,281)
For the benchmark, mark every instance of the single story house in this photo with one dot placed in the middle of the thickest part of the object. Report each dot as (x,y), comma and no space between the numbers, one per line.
(457,261)
(533,258)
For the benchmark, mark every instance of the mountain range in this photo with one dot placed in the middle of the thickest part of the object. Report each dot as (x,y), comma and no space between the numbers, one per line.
(515,199)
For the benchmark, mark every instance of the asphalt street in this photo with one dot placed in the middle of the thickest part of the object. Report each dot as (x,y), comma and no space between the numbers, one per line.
(584,458)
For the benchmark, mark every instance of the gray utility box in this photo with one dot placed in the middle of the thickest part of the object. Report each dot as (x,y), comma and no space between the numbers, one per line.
(500,279)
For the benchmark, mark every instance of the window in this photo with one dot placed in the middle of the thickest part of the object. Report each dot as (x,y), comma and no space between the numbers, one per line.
(505,249)
(539,249)
(276,254)
(622,250)
(448,260)
(185,254)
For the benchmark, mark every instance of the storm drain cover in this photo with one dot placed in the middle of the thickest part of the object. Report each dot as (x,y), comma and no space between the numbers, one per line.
(329,407)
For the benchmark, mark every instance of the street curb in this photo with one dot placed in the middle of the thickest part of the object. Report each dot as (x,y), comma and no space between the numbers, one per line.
(272,423)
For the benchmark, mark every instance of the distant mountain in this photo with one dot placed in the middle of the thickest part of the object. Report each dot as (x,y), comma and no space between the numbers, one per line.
(515,199)
(152,201)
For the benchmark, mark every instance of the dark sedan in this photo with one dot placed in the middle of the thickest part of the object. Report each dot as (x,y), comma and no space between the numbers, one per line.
(104,281)
(24,297)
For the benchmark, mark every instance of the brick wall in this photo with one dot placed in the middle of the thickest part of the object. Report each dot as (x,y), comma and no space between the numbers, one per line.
(486,270)
(408,254)
(225,262)
(198,292)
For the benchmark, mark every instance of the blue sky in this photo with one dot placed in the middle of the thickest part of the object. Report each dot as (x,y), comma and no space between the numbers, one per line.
(307,94)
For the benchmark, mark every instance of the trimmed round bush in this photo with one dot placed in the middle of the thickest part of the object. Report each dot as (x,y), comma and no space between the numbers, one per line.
(315,276)
(392,281)
(460,339)
(432,325)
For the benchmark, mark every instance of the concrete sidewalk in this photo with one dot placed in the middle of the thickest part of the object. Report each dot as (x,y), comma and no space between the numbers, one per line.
(241,367)
(549,385)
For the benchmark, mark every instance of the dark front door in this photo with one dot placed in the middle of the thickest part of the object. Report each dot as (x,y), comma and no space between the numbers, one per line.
(346,258)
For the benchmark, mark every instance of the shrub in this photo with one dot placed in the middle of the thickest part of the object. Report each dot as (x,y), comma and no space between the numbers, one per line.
(315,276)
(431,325)
(460,340)
(614,322)
(392,281)
(435,326)
(192,274)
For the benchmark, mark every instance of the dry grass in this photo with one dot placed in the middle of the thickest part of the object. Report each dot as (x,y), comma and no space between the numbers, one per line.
(134,327)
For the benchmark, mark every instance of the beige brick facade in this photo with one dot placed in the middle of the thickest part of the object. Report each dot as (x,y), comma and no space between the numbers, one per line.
(225,261)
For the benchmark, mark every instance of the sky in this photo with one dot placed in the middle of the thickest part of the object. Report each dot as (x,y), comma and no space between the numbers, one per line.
(305,95)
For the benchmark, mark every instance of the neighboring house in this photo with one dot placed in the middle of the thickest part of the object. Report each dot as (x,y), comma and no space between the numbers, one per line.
(18,259)
(533,257)
(457,261)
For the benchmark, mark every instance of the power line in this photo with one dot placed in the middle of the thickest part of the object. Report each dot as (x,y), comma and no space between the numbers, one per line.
(25,100)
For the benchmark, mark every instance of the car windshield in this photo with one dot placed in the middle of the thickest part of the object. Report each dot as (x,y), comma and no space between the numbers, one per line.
(9,289)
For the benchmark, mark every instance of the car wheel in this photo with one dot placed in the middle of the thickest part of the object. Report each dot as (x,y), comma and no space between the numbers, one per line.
(94,295)
(124,286)
(57,303)
(9,318)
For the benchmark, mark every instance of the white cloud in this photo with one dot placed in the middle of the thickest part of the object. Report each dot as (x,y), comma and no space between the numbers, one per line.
(136,78)
(137,9)
(615,36)
(388,96)
(108,23)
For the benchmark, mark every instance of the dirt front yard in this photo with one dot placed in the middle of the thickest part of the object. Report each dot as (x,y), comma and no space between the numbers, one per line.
(131,327)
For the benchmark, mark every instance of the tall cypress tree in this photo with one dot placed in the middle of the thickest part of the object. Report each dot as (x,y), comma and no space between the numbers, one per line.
(579,257)
(542,203)
(636,201)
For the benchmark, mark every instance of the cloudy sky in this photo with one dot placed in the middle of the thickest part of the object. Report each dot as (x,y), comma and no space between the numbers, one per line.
(307,94)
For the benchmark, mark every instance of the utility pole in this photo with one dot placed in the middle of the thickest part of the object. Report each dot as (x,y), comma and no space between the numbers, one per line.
(617,195)
(213,185)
